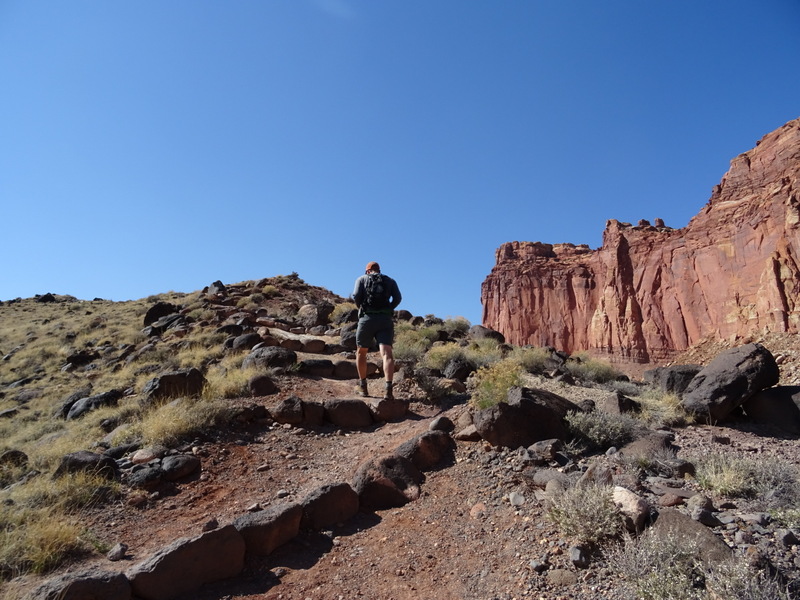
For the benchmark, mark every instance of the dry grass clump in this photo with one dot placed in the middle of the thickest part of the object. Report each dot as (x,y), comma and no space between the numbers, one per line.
(341,309)
(492,383)
(586,514)
(36,541)
(533,360)
(599,431)
(774,482)
(180,420)
(661,409)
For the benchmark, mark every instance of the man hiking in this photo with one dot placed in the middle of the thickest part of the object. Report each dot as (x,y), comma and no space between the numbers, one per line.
(376,296)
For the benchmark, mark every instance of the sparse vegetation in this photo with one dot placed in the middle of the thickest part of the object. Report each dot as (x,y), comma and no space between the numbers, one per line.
(666,567)
(771,480)
(586,514)
(585,368)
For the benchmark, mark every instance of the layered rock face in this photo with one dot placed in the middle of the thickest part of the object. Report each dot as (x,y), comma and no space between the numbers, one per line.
(651,291)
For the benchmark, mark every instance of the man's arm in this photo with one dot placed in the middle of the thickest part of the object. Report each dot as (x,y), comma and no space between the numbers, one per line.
(396,296)
(358,292)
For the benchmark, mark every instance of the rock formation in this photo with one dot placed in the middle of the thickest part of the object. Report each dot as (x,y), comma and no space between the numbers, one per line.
(651,291)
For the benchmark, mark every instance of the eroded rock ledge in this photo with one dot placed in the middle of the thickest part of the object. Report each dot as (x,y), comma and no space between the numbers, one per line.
(651,291)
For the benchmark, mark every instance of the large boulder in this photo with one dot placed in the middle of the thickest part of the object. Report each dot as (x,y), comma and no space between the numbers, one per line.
(728,381)
(185,565)
(311,315)
(480,332)
(348,413)
(159,310)
(776,406)
(428,449)
(673,379)
(387,482)
(94,584)
(84,461)
(328,505)
(266,530)
(268,357)
(184,382)
(529,415)
(91,403)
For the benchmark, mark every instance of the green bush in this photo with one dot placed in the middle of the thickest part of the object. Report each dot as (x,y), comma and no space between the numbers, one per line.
(586,513)
(600,431)
(411,344)
(341,309)
(492,383)
(484,352)
(439,356)
(582,366)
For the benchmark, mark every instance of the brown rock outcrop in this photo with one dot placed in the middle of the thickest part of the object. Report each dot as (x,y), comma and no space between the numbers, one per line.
(650,292)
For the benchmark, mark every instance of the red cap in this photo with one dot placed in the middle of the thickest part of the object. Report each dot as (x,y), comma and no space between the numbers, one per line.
(373,266)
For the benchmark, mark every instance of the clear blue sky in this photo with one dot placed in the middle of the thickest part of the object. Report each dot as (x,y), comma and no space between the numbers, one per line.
(151,146)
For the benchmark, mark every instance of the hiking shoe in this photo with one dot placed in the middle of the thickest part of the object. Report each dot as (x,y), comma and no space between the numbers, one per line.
(389,394)
(362,388)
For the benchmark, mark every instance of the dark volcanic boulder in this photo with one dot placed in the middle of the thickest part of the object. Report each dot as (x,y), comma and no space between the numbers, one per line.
(159,310)
(90,403)
(387,482)
(776,406)
(267,357)
(729,380)
(428,449)
(185,382)
(529,416)
(329,505)
(87,462)
(674,379)
(348,413)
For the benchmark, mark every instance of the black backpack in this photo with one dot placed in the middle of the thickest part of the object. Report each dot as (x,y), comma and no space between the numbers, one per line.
(377,292)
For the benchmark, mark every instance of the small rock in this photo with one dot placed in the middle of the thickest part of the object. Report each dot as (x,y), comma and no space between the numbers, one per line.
(117,552)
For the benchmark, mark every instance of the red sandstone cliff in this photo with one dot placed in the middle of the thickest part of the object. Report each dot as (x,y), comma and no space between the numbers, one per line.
(650,292)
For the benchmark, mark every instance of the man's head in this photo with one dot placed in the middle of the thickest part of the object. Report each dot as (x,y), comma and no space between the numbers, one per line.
(373,267)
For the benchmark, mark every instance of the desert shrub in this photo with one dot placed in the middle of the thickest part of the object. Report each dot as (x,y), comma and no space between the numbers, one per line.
(600,431)
(533,360)
(484,352)
(411,344)
(586,513)
(492,383)
(180,420)
(456,326)
(656,567)
(736,580)
(583,367)
(772,481)
(270,291)
(439,356)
